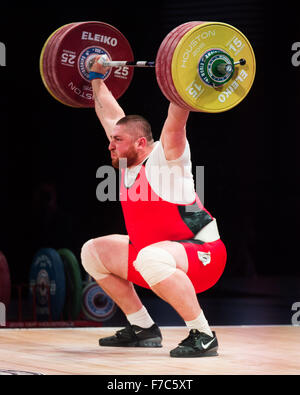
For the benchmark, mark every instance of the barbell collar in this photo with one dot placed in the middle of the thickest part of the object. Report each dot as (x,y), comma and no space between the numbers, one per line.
(224,68)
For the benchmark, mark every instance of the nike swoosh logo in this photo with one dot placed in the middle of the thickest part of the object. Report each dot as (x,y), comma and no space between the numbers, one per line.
(137,332)
(205,346)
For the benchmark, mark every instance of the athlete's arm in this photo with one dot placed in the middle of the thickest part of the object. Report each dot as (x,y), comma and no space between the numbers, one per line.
(173,135)
(106,106)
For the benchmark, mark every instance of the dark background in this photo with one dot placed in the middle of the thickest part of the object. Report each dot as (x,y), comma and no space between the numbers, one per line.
(49,153)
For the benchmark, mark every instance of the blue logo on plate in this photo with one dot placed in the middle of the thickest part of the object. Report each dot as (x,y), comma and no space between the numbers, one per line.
(86,56)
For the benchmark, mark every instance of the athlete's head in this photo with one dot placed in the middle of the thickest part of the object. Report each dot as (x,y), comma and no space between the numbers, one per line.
(130,139)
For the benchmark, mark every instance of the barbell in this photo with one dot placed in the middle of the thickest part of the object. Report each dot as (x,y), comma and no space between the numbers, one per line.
(200,66)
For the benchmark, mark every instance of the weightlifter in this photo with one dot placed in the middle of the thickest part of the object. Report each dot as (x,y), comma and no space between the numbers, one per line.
(173,246)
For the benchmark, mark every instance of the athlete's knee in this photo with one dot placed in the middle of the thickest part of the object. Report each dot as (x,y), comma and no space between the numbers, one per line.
(91,261)
(155,264)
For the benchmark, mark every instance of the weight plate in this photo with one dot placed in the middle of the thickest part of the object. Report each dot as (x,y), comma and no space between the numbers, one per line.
(168,64)
(72,51)
(96,304)
(160,66)
(187,57)
(72,307)
(5,282)
(46,277)
(45,69)
(50,61)
(163,66)
(51,64)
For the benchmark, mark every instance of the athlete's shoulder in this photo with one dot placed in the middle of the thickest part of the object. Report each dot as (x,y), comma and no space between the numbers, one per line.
(158,155)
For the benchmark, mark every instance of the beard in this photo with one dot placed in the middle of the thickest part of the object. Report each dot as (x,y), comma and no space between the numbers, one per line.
(126,160)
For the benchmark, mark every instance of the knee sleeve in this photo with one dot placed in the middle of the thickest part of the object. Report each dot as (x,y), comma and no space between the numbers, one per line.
(91,261)
(155,264)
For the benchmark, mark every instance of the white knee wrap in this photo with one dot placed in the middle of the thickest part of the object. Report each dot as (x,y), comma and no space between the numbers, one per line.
(91,261)
(155,264)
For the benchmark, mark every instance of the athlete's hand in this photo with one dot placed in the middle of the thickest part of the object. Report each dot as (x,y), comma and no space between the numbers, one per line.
(96,67)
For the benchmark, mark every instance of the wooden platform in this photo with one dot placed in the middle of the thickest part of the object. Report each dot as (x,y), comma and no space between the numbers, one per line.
(75,351)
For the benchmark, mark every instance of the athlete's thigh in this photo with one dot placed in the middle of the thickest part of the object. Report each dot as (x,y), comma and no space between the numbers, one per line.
(206,262)
(112,250)
(178,252)
(203,263)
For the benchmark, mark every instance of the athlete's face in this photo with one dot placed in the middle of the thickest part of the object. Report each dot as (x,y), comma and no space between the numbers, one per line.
(123,146)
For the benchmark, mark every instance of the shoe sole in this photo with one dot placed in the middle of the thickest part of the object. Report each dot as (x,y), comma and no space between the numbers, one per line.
(210,353)
(153,342)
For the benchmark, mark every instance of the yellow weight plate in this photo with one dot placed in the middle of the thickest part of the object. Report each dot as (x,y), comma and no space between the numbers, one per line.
(185,67)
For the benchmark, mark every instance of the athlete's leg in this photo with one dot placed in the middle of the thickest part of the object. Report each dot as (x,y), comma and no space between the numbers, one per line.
(106,260)
(175,271)
(176,288)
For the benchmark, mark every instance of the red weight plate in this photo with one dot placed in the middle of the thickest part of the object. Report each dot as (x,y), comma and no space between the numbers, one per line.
(44,66)
(168,63)
(5,285)
(66,99)
(160,64)
(164,60)
(76,46)
(160,67)
(50,64)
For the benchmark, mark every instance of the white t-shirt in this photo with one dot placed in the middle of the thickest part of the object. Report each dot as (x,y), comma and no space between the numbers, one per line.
(171,180)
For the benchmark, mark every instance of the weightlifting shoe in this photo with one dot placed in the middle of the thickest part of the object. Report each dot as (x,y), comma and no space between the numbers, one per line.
(197,344)
(134,336)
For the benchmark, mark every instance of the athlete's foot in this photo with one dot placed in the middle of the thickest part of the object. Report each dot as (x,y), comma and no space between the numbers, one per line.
(197,344)
(134,336)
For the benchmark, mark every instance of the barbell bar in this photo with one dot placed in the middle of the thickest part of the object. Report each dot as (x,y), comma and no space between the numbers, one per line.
(141,63)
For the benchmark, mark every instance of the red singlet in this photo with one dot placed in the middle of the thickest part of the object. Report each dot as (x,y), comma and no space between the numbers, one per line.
(150,219)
